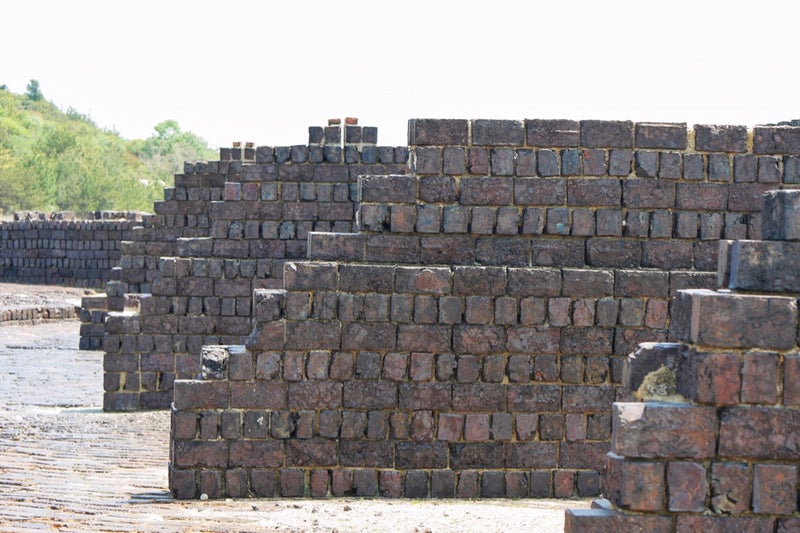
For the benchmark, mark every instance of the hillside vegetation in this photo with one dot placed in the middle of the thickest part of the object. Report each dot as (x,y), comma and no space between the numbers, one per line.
(61,161)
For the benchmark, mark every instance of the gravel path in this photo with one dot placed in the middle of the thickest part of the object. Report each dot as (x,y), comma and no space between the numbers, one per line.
(67,466)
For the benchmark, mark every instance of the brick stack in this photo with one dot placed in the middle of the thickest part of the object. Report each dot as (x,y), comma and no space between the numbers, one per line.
(59,249)
(224,230)
(727,461)
(468,340)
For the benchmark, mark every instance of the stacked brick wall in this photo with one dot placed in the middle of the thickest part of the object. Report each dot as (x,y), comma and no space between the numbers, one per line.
(224,230)
(726,460)
(469,339)
(62,250)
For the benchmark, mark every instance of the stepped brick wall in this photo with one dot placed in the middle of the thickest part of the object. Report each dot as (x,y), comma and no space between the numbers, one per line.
(726,460)
(59,249)
(468,340)
(224,230)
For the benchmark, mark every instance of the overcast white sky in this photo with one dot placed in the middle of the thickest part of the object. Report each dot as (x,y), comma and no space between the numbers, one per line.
(264,71)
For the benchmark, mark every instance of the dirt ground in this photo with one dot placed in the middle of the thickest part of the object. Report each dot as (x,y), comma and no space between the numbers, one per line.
(67,466)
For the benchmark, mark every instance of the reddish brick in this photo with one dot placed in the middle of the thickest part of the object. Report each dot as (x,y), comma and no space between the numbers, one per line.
(256,454)
(525,425)
(370,394)
(341,482)
(716,138)
(262,483)
(791,380)
(517,484)
(422,338)
(742,432)
(722,524)
(476,455)
(583,455)
(539,340)
(686,486)
(607,521)
(476,427)
(635,486)
(663,430)
(534,397)
(394,366)
(422,426)
(731,487)
(421,366)
(575,427)
(319,483)
(201,395)
(563,483)
(390,484)
(420,455)
(467,484)
(775,489)
(424,396)
(760,378)
(315,395)
(450,426)
(710,378)
(311,452)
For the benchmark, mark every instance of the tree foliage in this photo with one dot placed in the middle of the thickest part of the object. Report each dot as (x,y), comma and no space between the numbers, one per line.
(33,92)
(51,160)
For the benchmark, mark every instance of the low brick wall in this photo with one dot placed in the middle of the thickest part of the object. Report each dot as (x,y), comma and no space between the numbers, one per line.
(60,250)
(727,461)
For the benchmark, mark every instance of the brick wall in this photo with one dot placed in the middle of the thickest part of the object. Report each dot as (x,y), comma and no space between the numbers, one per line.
(469,339)
(59,249)
(224,230)
(726,459)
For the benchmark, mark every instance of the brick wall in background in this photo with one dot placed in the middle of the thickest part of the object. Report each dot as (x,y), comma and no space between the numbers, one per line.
(224,230)
(59,249)
(726,459)
(468,339)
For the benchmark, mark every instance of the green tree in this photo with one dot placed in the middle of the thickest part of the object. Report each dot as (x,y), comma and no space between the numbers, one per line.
(3,87)
(33,92)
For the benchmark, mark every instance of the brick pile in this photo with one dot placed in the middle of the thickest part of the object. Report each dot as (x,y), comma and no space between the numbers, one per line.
(224,230)
(727,459)
(469,339)
(59,249)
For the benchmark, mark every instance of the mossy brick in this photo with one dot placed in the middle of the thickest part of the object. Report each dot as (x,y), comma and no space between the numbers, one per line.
(438,132)
(648,358)
(654,430)
(709,318)
(720,138)
(776,140)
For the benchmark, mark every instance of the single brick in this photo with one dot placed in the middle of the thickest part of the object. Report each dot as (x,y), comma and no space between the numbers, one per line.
(714,138)
(646,430)
(687,486)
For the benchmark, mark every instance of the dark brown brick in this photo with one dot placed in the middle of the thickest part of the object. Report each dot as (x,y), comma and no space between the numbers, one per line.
(606,134)
(776,140)
(742,431)
(552,133)
(635,486)
(497,133)
(438,132)
(670,136)
(715,138)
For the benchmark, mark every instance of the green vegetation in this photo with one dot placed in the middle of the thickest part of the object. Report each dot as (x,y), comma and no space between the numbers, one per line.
(55,161)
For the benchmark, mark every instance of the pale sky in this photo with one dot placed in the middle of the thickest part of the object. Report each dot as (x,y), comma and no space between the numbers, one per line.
(264,71)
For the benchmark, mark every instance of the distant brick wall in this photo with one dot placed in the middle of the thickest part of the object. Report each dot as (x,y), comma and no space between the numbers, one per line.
(727,461)
(61,250)
(486,305)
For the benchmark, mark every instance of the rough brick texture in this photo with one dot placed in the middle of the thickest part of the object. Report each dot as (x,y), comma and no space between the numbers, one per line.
(727,461)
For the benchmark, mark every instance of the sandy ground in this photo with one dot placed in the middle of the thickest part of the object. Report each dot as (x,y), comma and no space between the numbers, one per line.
(67,466)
